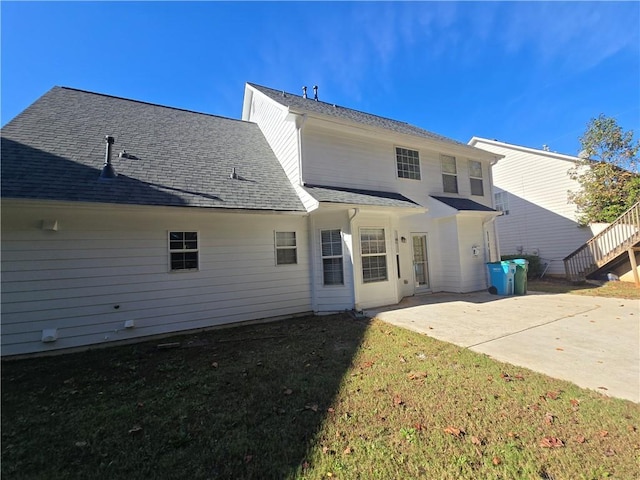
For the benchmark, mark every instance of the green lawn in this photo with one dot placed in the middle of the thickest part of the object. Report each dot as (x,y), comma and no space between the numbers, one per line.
(317,397)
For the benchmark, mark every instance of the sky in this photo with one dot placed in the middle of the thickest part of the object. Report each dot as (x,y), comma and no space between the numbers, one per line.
(527,73)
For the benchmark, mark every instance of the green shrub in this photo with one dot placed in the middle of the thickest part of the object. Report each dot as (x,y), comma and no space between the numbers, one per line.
(535,267)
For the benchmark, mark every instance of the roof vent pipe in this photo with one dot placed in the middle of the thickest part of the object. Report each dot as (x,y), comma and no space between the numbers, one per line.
(234,175)
(304,92)
(108,170)
(315,92)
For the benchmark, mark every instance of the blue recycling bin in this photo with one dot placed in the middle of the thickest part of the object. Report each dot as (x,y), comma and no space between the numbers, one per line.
(501,277)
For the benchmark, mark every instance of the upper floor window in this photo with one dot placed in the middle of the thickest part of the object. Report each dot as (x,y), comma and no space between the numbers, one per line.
(501,201)
(408,162)
(475,177)
(332,266)
(286,248)
(449,174)
(183,250)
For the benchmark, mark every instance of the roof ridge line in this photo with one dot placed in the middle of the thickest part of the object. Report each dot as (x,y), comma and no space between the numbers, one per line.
(150,103)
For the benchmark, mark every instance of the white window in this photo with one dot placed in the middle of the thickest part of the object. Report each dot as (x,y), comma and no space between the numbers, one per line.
(286,248)
(374,255)
(408,163)
(332,266)
(183,251)
(449,174)
(501,201)
(475,177)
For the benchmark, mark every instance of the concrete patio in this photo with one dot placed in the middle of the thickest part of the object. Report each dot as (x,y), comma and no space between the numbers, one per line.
(591,341)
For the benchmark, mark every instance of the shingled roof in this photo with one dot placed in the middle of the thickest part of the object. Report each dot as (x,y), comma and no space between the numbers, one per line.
(359,196)
(55,150)
(299,103)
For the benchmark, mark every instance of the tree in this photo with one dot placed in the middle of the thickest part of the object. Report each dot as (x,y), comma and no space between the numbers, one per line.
(607,172)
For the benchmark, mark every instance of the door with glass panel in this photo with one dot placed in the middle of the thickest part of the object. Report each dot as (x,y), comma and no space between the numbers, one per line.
(420,262)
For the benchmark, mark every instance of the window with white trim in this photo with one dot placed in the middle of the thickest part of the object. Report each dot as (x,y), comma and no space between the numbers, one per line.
(408,163)
(501,201)
(332,264)
(183,251)
(449,174)
(286,248)
(475,178)
(373,253)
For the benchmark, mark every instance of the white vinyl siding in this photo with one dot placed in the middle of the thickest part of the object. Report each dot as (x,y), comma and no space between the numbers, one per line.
(104,258)
(408,163)
(373,255)
(475,178)
(332,261)
(540,217)
(280,133)
(286,248)
(449,174)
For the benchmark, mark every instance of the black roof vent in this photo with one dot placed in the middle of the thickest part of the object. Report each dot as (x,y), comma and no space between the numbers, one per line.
(108,171)
(315,92)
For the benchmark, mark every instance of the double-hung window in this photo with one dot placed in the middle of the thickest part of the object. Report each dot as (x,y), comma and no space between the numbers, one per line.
(501,201)
(475,177)
(374,255)
(408,163)
(183,251)
(449,174)
(332,265)
(286,248)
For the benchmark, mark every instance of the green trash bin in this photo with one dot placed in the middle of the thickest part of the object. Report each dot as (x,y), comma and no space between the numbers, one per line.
(520,277)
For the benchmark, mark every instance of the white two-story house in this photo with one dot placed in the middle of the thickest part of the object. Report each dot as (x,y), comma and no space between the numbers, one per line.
(123,219)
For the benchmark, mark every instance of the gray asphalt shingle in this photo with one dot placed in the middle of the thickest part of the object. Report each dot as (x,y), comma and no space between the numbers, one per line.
(55,150)
(463,204)
(297,102)
(357,196)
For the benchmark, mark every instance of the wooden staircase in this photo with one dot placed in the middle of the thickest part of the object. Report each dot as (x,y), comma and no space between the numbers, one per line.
(606,248)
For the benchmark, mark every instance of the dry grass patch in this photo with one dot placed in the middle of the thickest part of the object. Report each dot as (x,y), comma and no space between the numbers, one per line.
(320,397)
(609,289)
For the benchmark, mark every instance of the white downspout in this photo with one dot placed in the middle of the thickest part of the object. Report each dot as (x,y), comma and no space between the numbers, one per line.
(300,121)
(354,239)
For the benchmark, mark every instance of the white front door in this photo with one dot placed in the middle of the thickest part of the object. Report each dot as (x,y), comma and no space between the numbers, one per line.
(420,262)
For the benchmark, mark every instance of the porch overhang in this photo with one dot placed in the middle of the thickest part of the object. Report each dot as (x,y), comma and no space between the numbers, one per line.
(442,207)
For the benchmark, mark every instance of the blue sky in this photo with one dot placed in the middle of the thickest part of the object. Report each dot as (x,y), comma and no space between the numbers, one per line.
(524,73)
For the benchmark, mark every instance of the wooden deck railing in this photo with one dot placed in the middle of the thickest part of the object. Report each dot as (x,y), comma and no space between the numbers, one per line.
(617,238)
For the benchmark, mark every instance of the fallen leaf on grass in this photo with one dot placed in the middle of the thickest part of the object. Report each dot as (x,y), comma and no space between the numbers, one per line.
(496,461)
(248,458)
(214,364)
(476,441)
(610,453)
(331,410)
(574,402)
(367,364)
(553,395)
(347,451)
(328,451)
(603,433)
(397,400)
(402,359)
(456,432)
(551,442)
(512,435)
(580,439)
(312,407)
(305,465)
(549,418)
(81,444)
(416,375)
(135,429)
(287,391)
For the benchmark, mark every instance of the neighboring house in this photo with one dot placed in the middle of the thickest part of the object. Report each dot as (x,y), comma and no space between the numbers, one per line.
(531,189)
(302,206)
